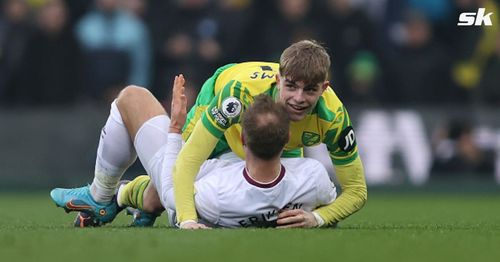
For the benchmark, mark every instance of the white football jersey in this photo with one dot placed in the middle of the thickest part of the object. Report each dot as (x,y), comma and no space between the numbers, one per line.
(226,196)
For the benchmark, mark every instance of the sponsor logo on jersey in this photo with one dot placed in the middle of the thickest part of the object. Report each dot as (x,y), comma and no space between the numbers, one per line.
(231,107)
(347,139)
(309,138)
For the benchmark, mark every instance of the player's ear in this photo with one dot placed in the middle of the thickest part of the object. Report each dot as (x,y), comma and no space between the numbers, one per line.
(278,79)
(242,140)
(325,85)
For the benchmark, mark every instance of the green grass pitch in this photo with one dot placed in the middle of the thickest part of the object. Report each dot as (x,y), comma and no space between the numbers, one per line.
(391,227)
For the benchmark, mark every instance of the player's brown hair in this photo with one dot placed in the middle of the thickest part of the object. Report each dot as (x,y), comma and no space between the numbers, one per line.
(306,61)
(265,127)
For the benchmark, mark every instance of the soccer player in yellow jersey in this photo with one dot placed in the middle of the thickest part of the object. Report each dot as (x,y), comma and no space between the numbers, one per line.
(299,81)
(318,116)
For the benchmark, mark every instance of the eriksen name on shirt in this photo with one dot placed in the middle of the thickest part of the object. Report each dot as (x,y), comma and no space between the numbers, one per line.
(268,219)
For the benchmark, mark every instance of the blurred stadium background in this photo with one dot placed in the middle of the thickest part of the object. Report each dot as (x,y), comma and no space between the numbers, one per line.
(423,93)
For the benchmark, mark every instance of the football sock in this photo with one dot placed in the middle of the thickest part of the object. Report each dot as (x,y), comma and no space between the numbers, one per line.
(114,155)
(132,193)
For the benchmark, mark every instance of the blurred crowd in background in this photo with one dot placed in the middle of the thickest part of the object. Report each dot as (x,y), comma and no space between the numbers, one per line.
(385,54)
(383,51)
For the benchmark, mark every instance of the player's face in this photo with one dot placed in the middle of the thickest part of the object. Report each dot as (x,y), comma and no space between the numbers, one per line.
(300,98)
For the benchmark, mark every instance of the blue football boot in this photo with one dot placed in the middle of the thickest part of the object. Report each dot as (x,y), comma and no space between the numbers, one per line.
(85,220)
(141,218)
(79,199)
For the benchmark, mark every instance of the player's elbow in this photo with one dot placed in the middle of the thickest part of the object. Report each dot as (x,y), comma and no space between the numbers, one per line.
(363,195)
(360,194)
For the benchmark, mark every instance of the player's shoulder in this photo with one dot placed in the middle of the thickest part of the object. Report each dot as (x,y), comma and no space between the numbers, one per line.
(227,180)
(329,105)
(257,65)
(250,77)
(220,172)
(303,165)
(253,66)
(305,172)
(223,166)
(213,164)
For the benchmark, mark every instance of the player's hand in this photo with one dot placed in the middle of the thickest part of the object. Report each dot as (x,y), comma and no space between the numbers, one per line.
(296,218)
(193,225)
(178,109)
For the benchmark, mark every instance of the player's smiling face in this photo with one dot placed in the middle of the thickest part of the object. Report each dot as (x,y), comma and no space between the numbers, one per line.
(300,98)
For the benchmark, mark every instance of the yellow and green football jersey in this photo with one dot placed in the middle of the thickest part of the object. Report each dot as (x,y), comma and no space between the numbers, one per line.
(213,127)
(225,96)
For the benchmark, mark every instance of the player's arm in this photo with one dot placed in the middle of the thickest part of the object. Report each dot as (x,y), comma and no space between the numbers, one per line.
(341,144)
(223,111)
(195,151)
(354,193)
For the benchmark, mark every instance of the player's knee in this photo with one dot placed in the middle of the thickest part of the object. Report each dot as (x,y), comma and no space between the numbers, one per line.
(132,95)
(132,92)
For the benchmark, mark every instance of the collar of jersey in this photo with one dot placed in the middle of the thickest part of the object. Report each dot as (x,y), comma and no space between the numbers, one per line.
(256,183)
(273,92)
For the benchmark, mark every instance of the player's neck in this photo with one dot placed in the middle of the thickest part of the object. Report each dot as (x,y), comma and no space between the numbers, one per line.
(263,171)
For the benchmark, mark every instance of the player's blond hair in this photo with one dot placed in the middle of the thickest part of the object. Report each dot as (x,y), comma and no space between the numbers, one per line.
(306,61)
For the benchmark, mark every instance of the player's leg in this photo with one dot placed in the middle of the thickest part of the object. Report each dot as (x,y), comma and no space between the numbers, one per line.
(141,200)
(153,146)
(150,129)
(150,198)
(149,132)
(143,192)
(114,155)
(138,197)
(116,152)
(137,105)
(85,219)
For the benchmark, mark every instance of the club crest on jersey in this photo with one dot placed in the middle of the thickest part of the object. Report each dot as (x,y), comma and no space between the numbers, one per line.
(231,107)
(309,138)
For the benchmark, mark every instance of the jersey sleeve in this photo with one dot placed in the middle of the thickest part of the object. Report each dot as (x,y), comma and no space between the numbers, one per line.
(341,143)
(353,197)
(340,139)
(210,166)
(196,150)
(226,108)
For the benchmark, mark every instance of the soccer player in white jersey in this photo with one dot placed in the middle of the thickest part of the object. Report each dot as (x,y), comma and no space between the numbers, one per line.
(252,193)
(242,194)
